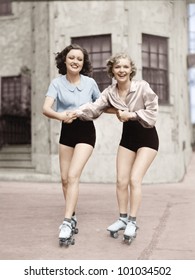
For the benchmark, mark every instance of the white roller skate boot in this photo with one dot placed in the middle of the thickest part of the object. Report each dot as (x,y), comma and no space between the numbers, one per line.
(75,230)
(120,224)
(74,224)
(130,232)
(65,236)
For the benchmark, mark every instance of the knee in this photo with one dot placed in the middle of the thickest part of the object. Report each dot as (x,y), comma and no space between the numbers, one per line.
(135,182)
(122,184)
(72,179)
(64,181)
(69,180)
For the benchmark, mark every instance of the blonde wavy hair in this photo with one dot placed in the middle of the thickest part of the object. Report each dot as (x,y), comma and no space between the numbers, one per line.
(114,59)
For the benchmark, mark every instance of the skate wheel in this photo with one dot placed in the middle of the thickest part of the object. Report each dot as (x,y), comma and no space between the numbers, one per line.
(130,240)
(67,243)
(76,230)
(72,241)
(61,242)
(114,234)
(127,240)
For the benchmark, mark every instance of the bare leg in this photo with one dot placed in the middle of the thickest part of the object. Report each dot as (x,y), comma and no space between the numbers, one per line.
(65,157)
(143,160)
(125,160)
(81,154)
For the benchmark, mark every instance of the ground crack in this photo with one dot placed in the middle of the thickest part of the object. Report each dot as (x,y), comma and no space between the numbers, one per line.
(158,231)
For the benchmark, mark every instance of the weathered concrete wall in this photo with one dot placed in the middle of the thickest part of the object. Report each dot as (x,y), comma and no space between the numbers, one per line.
(40,29)
(126,21)
(41,126)
(15,43)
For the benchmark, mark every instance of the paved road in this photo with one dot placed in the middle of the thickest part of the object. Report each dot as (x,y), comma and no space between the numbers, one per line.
(30,214)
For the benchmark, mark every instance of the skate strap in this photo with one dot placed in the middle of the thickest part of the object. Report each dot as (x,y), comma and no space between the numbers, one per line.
(135,225)
(74,220)
(123,221)
(68,225)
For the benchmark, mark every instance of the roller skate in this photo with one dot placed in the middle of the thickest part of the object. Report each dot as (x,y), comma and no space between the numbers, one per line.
(130,232)
(120,224)
(74,224)
(66,234)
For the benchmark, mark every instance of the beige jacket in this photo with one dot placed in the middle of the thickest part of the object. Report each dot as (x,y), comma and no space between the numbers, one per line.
(140,99)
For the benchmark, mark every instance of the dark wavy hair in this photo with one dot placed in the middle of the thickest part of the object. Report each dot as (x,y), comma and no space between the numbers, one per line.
(114,59)
(61,57)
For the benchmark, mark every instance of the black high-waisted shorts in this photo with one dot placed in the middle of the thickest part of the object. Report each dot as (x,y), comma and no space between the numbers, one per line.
(135,136)
(78,132)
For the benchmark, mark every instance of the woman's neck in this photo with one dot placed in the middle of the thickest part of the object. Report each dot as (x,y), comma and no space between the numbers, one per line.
(73,79)
(123,87)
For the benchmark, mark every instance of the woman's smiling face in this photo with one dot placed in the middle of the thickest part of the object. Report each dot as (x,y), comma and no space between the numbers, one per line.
(122,70)
(74,61)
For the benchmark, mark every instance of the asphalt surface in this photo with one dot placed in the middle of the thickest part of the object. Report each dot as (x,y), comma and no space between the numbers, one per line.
(31,212)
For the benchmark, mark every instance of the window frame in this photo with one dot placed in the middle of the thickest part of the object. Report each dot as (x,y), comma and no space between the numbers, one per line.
(15,84)
(15,117)
(156,69)
(5,8)
(95,48)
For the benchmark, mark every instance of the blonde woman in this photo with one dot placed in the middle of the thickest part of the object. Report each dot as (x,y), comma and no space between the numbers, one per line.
(136,106)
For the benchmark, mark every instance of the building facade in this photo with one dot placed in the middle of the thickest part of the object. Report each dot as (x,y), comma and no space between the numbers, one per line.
(154,33)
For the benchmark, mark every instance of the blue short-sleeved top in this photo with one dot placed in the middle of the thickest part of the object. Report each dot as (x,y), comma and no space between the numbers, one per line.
(69,96)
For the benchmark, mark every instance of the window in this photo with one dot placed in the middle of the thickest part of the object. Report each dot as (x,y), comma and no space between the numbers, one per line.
(155,65)
(5,7)
(15,110)
(99,49)
(11,93)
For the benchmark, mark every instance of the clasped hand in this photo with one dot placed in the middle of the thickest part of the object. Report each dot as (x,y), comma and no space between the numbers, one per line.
(125,116)
(68,116)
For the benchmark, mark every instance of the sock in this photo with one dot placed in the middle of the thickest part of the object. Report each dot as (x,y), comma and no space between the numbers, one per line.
(133,219)
(123,215)
(67,220)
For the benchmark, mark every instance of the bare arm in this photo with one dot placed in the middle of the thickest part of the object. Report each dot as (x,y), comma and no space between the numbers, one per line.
(48,111)
(110,110)
(92,110)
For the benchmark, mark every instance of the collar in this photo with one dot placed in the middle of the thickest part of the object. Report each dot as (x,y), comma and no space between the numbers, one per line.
(133,86)
(72,87)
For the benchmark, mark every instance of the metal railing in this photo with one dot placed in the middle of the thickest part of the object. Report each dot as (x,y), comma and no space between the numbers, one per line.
(15,130)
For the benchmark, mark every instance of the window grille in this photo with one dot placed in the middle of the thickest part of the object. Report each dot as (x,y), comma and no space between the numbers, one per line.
(5,7)
(15,110)
(99,49)
(155,65)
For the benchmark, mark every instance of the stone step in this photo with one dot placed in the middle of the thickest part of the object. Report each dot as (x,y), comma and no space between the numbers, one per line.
(24,175)
(15,149)
(9,171)
(16,164)
(15,155)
